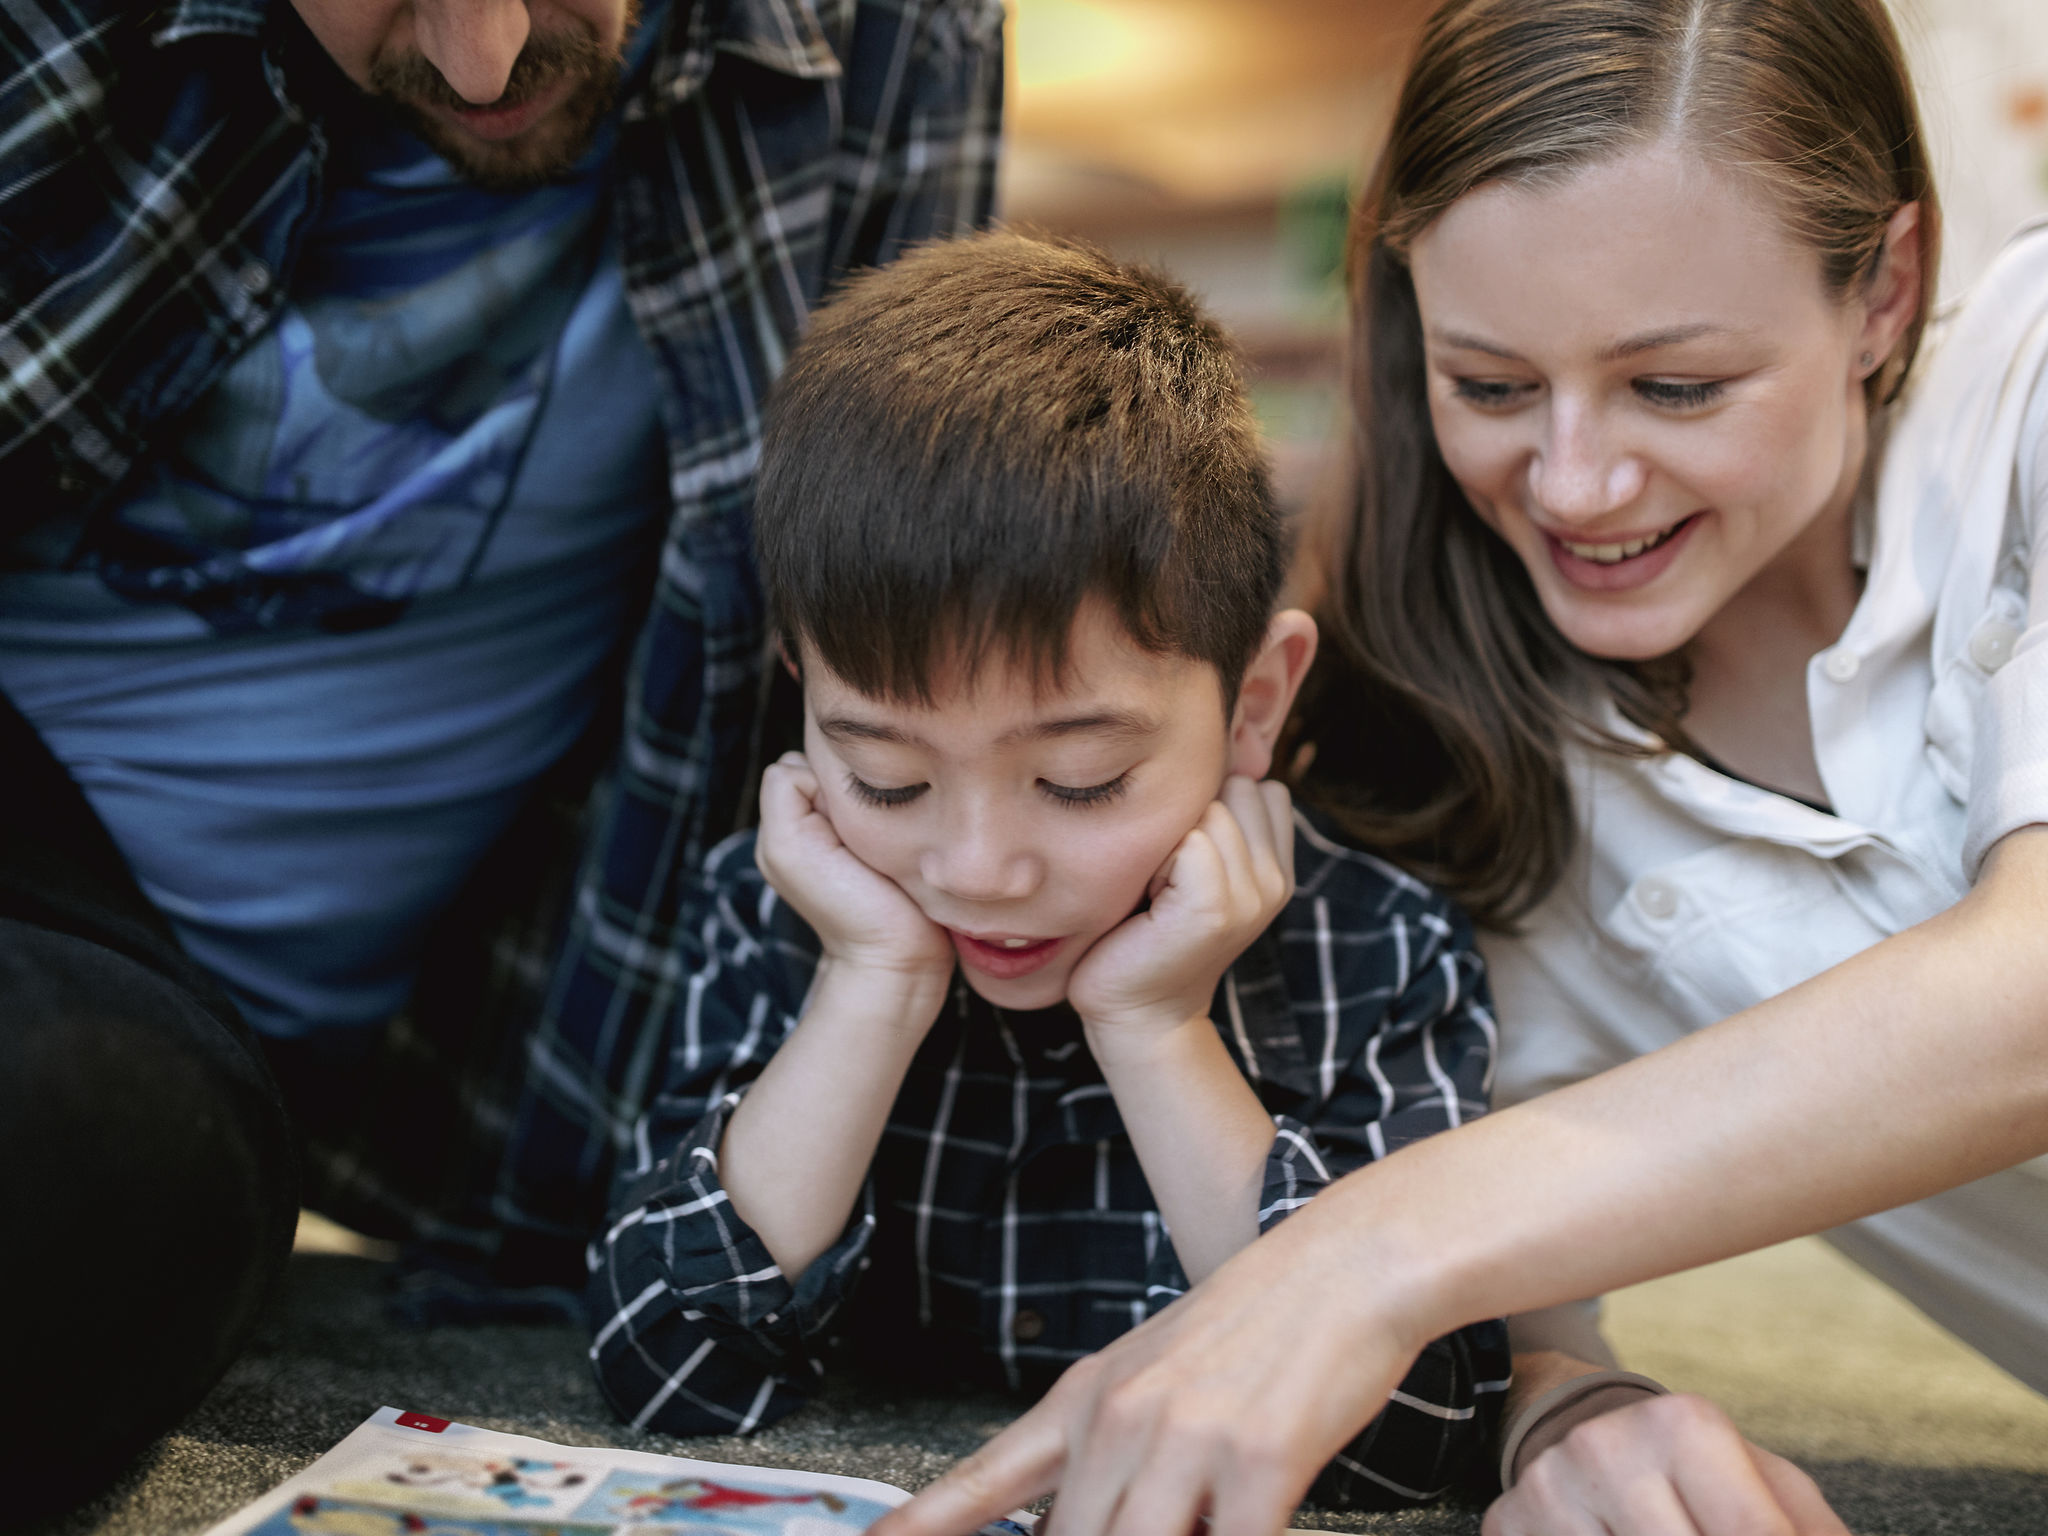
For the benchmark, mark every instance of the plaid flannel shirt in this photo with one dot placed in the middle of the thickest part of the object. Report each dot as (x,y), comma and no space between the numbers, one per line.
(1006,1228)
(159,166)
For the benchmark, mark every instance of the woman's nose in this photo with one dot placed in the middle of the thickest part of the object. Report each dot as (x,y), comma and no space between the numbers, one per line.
(1579,474)
(472,42)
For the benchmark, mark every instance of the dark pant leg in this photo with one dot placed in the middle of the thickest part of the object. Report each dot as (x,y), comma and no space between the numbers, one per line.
(148,1185)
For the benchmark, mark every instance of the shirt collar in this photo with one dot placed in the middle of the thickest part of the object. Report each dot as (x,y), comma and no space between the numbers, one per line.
(786,36)
(204,18)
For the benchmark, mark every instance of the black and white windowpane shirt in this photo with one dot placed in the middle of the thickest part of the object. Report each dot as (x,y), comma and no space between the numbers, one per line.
(1006,1228)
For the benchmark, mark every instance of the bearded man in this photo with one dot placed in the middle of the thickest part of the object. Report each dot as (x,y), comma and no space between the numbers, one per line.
(380,405)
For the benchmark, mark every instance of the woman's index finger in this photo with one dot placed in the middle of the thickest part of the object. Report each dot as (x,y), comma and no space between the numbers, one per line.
(1018,1465)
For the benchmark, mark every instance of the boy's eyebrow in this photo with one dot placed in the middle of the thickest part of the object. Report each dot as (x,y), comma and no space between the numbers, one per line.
(1100,722)
(1105,722)
(846,728)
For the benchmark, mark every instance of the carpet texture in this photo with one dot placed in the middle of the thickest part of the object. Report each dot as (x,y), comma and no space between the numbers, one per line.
(1909,1434)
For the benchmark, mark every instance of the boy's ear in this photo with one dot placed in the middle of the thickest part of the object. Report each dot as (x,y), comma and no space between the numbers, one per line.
(1267,692)
(788,661)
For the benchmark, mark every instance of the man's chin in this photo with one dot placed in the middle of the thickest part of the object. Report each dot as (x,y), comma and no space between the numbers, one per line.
(546,152)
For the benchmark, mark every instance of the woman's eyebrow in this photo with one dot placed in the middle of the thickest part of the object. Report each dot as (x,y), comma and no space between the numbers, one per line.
(1465,343)
(1649,341)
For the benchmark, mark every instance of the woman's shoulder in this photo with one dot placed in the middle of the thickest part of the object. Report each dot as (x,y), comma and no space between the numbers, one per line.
(1988,332)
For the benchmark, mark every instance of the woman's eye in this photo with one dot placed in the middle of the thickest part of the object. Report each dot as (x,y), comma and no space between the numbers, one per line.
(1093,794)
(876,794)
(1494,393)
(1678,396)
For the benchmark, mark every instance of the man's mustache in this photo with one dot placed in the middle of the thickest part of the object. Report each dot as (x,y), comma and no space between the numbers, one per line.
(548,57)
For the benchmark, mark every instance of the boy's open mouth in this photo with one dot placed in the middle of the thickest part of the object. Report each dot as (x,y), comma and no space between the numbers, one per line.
(1002,956)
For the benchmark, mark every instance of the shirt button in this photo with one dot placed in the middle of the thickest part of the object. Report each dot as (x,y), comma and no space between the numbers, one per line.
(255,279)
(1026,1326)
(1656,897)
(1842,665)
(1991,647)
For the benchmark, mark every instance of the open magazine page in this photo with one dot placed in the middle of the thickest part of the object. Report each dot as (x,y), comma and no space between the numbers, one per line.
(409,1474)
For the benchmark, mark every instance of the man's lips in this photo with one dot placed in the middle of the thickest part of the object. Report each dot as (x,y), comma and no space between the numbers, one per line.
(495,122)
(1000,956)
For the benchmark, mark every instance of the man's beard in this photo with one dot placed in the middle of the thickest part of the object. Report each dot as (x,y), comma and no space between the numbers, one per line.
(409,84)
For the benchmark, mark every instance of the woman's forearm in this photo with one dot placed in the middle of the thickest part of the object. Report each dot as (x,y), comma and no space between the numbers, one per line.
(1916,1066)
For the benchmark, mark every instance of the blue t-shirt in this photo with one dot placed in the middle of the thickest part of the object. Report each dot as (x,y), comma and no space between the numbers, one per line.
(308,670)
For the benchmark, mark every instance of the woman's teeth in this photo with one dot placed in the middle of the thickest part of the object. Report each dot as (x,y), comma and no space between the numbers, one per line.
(1614,554)
(1015,943)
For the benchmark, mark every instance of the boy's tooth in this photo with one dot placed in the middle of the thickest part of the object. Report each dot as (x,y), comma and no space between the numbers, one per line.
(1013,943)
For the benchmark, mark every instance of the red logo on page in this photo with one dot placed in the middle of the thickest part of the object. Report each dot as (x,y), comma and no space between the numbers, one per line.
(426,1421)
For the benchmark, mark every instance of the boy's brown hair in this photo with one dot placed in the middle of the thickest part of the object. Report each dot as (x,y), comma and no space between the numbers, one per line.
(975,439)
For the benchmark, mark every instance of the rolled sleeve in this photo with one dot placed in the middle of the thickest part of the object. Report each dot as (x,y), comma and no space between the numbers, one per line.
(698,1331)
(702,1333)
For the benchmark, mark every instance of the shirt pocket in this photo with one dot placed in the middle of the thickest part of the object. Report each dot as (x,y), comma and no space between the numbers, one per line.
(1723,929)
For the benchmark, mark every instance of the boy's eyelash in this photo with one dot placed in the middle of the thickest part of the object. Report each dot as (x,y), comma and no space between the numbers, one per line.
(1093,794)
(876,794)
(1683,396)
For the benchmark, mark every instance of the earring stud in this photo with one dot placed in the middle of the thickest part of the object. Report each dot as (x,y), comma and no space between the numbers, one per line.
(1866,360)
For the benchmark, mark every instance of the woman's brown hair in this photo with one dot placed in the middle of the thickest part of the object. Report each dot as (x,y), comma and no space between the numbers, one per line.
(1436,723)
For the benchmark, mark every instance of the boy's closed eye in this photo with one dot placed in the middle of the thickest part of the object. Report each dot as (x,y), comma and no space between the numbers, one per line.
(1062,794)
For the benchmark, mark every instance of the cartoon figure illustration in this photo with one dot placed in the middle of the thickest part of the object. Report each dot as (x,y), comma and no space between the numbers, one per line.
(518,1482)
(701,1495)
(319,1517)
(314,1515)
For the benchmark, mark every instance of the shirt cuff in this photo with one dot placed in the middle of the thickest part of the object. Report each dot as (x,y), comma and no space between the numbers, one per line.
(1543,1423)
(716,1265)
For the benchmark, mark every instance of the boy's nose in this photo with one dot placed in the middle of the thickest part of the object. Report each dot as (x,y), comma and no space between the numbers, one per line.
(976,863)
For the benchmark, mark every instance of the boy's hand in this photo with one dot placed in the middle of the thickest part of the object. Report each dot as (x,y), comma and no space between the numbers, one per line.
(863,919)
(1221,886)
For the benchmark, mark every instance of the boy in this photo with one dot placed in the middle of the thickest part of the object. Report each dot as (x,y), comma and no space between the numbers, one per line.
(1032,1000)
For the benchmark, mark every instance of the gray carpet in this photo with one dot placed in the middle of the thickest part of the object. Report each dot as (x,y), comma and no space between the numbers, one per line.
(326,1360)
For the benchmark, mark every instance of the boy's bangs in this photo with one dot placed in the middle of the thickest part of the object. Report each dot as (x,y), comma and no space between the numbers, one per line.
(973,443)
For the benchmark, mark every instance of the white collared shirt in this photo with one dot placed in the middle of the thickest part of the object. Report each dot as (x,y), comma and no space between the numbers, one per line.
(1692,895)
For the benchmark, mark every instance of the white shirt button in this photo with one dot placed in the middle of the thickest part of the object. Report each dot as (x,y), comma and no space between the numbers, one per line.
(1991,646)
(1658,898)
(1842,665)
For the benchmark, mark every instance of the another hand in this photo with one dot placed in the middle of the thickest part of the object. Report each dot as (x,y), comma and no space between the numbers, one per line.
(1220,888)
(1226,1404)
(1669,1466)
(862,918)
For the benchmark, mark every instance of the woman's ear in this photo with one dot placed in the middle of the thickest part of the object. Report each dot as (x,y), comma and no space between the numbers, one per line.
(1893,298)
(1267,691)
